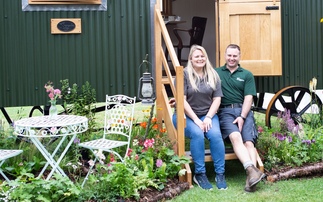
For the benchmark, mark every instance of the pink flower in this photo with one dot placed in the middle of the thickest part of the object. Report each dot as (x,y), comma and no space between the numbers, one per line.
(57,91)
(149,143)
(159,163)
(53,94)
(129,152)
(260,129)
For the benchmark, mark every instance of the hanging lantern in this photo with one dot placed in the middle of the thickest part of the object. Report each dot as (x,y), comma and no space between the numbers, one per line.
(146,90)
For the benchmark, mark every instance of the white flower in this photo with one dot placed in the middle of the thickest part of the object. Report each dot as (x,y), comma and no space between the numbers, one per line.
(182,172)
(91,162)
(135,142)
(99,154)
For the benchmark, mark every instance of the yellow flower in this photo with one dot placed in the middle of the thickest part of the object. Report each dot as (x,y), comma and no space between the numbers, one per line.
(314,80)
(311,86)
(321,19)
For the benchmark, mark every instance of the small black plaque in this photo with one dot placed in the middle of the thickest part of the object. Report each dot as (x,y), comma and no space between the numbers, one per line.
(66,26)
(272,8)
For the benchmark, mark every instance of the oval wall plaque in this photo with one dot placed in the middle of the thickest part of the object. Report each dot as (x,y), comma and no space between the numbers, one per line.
(66,26)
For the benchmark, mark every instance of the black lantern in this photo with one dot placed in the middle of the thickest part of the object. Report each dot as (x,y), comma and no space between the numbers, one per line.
(146,90)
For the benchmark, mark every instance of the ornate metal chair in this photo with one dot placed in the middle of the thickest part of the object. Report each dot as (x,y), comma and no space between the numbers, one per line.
(4,155)
(119,114)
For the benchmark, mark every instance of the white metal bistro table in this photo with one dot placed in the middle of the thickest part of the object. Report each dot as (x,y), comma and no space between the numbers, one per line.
(60,126)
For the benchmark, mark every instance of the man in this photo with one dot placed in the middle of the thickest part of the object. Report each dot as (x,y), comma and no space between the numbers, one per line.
(236,119)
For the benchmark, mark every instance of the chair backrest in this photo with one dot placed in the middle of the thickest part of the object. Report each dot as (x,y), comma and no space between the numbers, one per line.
(119,115)
(198,29)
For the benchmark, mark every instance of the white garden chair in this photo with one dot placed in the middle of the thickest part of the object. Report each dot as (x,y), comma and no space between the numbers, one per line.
(119,115)
(4,155)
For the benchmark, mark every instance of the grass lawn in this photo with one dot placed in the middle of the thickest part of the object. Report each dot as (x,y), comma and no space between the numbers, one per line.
(294,190)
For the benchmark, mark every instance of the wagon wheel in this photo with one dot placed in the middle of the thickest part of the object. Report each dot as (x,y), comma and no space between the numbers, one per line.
(294,98)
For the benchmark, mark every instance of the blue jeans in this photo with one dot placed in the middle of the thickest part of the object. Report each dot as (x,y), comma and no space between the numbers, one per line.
(197,146)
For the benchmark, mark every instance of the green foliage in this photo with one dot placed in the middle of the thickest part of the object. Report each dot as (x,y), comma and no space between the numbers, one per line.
(150,161)
(290,144)
(7,138)
(79,101)
(26,188)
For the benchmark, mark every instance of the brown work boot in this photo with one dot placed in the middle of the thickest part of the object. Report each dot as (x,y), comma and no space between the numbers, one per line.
(254,175)
(249,189)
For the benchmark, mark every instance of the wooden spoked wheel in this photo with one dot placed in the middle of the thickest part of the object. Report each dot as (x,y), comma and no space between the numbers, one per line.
(296,99)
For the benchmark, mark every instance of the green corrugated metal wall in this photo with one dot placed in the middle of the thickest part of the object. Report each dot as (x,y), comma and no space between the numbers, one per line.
(302,35)
(114,42)
(107,53)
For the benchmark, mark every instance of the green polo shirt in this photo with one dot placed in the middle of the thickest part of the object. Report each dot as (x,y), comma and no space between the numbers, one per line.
(237,85)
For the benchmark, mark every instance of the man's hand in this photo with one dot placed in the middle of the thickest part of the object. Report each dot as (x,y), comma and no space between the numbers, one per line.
(239,120)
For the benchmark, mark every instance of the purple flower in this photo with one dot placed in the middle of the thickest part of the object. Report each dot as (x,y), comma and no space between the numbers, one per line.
(279,136)
(76,141)
(159,163)
(308,142)
(287,123)
(289,139)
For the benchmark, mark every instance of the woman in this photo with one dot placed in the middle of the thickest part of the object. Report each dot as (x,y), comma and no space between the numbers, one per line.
(202,97)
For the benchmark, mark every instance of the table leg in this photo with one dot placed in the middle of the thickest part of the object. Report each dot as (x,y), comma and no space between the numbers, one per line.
(47,156)
(62,156)
(3,175)
(52,156)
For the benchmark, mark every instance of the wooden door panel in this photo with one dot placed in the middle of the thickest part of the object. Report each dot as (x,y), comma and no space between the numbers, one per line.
(258,33)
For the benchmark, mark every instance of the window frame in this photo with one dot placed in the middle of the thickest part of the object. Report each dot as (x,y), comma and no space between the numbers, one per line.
(63,2)
(64,5)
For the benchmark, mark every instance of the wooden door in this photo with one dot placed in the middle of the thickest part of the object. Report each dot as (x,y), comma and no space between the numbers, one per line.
(255,25)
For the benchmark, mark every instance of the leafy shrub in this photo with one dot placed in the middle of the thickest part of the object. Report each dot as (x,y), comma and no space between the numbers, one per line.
(79,101)
(29,189)
(290,144)
(150,161)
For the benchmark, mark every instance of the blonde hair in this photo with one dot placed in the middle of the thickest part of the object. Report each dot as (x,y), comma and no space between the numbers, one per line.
(209,74)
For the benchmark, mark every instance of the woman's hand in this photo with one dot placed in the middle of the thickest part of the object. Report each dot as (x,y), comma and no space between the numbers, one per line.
(207,124)
(200,123)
